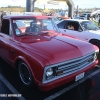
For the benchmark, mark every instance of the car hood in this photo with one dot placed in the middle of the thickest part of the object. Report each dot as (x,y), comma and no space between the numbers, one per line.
(57,48)
(95,31)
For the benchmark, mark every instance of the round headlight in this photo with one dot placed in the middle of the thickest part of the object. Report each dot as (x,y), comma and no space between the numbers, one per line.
(49,72)
(96,54)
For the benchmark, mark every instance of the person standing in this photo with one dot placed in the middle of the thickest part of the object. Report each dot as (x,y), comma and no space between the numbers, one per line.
(3,14)
(99,21)
(88,16)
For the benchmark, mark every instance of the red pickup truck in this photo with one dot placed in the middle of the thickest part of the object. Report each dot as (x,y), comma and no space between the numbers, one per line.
(42,55)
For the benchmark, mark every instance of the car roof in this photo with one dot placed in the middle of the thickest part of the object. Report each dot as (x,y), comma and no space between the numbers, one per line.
(78,20)
(25,16)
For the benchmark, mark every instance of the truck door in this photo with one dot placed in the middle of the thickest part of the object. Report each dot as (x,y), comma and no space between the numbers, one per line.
(5,38)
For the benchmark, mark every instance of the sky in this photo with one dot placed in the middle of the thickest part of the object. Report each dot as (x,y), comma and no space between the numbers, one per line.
(80,3)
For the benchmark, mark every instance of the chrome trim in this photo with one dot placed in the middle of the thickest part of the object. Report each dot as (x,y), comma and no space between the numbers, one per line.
(67,65)
(87,58)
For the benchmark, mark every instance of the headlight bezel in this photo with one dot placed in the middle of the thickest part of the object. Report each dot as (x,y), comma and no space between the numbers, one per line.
(49,73)
(51,76)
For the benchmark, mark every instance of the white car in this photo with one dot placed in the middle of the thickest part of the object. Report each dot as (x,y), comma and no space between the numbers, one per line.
(82,29)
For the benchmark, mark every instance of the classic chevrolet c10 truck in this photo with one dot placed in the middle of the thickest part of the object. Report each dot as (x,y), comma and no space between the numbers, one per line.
(42,55)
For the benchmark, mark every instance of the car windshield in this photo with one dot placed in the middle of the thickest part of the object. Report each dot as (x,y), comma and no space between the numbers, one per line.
(88,25)
(33,26)
(56,20)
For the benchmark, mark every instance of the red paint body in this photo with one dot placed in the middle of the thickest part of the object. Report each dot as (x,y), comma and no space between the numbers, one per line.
(44,50)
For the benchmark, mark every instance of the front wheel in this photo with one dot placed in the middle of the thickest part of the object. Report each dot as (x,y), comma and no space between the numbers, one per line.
(25,74)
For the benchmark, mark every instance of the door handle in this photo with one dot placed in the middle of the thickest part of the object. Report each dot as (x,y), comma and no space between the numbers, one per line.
(12,51)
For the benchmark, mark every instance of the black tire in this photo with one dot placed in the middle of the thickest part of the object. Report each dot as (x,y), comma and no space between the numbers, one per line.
(25,74)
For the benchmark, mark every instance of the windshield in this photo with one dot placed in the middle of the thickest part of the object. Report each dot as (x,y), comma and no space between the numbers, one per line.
(33,26)
(89,25)
(56,20)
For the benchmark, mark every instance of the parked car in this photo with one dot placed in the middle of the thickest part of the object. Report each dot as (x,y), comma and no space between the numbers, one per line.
(62,18)
(41,54)
(85,16)
(77,17)
(83,29)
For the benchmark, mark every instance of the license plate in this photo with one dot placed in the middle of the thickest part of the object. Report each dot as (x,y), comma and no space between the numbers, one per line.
(79,76)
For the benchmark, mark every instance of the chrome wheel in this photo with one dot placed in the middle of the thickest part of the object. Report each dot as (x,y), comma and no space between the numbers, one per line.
(25,74)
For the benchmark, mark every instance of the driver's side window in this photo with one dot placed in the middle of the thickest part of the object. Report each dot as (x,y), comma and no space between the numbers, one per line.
(5,28)
(72,25)
(69,26)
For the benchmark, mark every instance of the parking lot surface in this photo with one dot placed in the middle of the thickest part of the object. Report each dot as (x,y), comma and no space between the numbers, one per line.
(87,88)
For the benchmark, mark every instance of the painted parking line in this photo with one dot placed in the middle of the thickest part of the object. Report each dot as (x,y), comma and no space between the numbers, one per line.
(12,89)
(55,95)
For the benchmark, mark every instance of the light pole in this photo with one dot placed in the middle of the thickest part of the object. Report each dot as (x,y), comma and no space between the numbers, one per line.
(30,5)
(14,5)
(33,1)
(14,2)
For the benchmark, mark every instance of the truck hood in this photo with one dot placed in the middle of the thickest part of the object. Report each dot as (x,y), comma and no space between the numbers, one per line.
(57,48)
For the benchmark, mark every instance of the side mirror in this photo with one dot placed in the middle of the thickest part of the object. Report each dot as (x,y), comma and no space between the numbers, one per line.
(80,30)
(83,27)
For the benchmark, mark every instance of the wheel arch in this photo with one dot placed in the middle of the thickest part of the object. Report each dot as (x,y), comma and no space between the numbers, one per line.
(95,42)
(19,59)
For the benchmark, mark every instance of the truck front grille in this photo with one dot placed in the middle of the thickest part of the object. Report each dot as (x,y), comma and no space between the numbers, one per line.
(74,65)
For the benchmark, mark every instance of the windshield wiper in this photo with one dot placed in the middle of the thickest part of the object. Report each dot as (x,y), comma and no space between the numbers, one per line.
(27,33)
(43,32)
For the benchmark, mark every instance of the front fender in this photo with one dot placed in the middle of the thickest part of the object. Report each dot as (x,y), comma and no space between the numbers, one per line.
(91,35)
(36,65)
